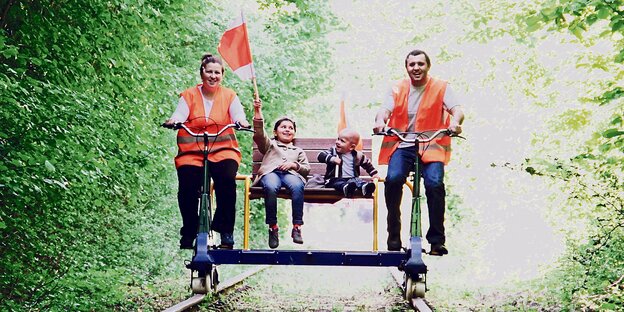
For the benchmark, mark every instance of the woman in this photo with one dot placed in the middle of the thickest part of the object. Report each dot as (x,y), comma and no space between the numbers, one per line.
(208,107)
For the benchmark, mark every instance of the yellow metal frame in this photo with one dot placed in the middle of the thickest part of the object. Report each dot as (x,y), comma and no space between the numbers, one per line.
(247,211)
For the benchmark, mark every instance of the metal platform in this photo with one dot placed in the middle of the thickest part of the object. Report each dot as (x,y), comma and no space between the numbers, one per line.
(307,257)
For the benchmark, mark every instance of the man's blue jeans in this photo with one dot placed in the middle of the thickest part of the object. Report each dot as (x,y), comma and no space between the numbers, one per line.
(271,183)
(399,167)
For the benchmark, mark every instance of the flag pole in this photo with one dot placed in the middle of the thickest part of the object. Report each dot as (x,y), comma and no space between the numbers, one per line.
(255,85)
(253,70)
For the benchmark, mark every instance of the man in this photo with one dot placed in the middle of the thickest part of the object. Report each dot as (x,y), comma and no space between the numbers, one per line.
(420,103)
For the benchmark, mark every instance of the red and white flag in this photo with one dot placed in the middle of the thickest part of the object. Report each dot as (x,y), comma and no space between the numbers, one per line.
(234,49)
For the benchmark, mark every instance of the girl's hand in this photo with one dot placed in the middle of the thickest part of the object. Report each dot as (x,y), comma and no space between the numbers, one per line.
(287,166)
(257,109)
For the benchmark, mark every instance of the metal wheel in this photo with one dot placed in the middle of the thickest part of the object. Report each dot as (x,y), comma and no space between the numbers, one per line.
(409,288)
(200,285)
(214,280)
(414,288)
(419,289)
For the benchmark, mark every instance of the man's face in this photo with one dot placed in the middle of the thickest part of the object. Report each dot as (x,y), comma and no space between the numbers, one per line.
(417,69)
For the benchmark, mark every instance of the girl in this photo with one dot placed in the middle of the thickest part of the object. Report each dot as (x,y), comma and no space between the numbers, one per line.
(283,164)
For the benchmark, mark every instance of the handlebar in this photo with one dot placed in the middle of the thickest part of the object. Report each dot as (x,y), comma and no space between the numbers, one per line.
(180,125)
(421,137)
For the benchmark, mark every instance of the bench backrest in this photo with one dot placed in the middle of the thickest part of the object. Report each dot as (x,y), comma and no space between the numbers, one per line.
(312,147)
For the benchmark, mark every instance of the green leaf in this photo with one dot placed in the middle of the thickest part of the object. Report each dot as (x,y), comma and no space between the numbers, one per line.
(590,19)
(550,13)
(618,26)
(10,52)
(532,20)
(2,225)
(620,57)
(49,166)
(603,12)
(577,32)
(612,133)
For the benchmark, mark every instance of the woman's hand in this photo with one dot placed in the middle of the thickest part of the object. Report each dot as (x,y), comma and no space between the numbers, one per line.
(244,123)
(170,122)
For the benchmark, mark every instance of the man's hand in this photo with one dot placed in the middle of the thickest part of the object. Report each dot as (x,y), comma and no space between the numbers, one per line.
(455,127)
(379,127)
(380,120)
(458,118)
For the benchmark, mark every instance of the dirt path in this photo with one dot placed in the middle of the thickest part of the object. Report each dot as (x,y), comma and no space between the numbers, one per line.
(297,288)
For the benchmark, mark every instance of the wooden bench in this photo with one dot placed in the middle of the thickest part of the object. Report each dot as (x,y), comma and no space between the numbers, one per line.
(312,147)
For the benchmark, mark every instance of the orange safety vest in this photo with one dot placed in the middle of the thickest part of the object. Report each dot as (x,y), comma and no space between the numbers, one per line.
(431,116)
(225,146)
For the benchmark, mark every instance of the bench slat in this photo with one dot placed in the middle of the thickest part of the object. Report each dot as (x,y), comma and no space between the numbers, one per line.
(311,154)
(312,147)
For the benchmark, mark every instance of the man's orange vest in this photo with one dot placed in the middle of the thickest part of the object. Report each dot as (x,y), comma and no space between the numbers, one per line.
(431,116)
(225,146)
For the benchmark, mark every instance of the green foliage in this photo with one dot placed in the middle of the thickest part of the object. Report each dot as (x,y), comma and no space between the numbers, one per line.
(581,148)
(87,184)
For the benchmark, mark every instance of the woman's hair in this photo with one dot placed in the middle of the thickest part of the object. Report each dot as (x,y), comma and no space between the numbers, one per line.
(209,58)
(282,119)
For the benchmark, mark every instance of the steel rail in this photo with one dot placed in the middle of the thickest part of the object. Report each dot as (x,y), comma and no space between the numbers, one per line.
(222,287)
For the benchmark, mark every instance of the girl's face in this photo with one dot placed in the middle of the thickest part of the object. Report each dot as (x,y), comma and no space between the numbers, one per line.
(212,74)
(285,132)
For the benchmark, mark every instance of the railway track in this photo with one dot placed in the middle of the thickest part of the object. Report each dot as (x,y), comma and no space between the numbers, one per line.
(418,304)
(222,287)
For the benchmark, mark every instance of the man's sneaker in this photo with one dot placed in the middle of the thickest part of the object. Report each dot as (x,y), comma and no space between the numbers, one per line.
(348,189)
(273,237)
(227,241)
(186,242)
(368,189)
(296,235)
(438,250)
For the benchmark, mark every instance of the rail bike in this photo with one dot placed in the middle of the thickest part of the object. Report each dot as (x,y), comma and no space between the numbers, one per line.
(206,255)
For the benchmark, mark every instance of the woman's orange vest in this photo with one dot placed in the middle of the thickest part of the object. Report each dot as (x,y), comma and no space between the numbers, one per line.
(431,116)
(225,146)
